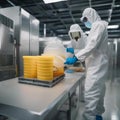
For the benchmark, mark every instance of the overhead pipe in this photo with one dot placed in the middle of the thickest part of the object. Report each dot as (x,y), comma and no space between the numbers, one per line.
(111,10)
(11,2)
(90,4)
(70,11)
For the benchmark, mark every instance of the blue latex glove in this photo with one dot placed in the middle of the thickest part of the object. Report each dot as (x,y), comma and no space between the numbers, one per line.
(71,50)
(71,61)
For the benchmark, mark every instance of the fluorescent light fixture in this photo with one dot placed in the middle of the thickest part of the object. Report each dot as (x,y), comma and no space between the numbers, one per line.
(113,26)
(116,5)
(52,1)
(87,32)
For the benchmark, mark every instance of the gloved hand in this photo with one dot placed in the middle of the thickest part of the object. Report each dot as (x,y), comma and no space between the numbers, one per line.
(71,61)
(71,50)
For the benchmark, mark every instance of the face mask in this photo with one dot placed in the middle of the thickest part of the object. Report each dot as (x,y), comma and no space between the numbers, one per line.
(88,24)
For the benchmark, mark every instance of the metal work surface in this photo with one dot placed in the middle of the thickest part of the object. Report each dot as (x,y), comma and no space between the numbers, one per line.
(35,99)
(7,48)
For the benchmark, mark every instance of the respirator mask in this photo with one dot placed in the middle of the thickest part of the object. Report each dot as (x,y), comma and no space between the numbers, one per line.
(75,35)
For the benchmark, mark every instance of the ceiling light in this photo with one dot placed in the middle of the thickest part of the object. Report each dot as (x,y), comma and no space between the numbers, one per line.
(116,5)
(113,26)
(52,1)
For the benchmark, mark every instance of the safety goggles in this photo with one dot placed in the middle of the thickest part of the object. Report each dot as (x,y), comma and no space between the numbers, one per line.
(75,35)
(84,19)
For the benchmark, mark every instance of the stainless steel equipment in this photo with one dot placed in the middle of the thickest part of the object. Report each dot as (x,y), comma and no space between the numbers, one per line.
(26,34)
(7,49)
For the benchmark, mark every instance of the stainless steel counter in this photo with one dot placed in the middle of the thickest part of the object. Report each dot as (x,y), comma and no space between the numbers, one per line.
(24,102)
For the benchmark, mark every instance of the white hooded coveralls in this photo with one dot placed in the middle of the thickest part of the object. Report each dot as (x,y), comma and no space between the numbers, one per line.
(78,46)
(95,56)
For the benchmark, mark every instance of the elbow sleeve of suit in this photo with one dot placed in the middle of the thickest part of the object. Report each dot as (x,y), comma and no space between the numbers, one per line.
(81,59)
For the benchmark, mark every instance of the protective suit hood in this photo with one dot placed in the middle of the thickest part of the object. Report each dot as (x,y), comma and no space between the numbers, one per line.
(91,15)
(80,44)
(75,28)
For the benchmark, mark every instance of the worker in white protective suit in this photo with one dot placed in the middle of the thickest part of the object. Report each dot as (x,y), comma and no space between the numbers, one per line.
(96,59)
(78,39)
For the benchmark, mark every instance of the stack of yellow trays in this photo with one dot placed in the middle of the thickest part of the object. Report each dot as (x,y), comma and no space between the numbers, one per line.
(45,68)
(30,66)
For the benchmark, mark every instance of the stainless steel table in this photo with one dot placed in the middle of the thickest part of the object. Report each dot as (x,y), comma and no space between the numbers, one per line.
(28,102)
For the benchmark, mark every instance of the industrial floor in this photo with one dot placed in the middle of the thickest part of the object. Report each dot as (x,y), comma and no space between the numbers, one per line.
(112,101)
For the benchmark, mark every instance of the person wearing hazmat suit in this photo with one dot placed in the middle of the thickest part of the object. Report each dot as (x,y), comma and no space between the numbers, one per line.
(96,59)
(78,39)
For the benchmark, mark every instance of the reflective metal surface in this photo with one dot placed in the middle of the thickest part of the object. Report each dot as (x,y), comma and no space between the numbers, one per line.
(26,34)
(7,49)
(24,48)
(34,36)
(118,59)
(13,13)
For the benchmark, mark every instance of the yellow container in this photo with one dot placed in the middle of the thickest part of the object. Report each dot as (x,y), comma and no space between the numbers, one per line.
(30,66)
(44,73)
(45,68)
(58,65)
(44,65)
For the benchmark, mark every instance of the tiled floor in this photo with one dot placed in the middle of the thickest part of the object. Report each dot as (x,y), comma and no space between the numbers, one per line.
(112,102)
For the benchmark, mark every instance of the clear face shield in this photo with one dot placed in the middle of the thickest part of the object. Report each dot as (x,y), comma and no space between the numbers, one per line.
(75,35)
